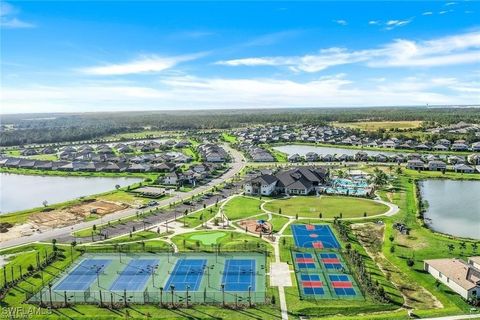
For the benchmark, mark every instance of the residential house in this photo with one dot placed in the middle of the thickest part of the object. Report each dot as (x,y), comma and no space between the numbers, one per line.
(461,277)
(463,168)
(436,165)
(415,164)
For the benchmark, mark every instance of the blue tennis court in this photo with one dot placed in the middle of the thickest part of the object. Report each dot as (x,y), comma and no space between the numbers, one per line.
(187,273)
(239,275)
(81,278)
(317,236)
(312,284)
(135,275)
(331,261)
(342,285)
(304,260)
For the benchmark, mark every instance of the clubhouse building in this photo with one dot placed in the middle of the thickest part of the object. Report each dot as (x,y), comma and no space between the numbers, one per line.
(298,181)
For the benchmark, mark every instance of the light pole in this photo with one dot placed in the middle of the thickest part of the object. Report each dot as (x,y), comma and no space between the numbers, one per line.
(50,294)
(250,296)
(161,296)
(223,294)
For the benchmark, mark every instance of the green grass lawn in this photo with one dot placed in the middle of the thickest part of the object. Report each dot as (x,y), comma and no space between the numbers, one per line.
(227,240)
(124,197)
(195,219)
(422,244)
(328,206)
(137,236)
(229,138)
(242,207)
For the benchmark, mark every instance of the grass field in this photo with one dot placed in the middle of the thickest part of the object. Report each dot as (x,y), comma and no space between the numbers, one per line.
(422,244)
(375,125)
(227,240)
(195,219)
(327,206)
(242,207)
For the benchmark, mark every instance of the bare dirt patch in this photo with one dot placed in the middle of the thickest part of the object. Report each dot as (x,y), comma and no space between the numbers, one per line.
(71,215)
(371,236)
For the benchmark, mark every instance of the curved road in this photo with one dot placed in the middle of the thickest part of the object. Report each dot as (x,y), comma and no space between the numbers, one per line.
(237,164)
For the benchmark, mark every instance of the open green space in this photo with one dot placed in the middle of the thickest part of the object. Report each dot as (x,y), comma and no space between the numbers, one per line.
(198,218)
(421,244)
(326,207)
(226,240)
(242,207)
(208,238)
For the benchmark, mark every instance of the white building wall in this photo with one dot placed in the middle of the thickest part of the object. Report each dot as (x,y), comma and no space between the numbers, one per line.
(446,281)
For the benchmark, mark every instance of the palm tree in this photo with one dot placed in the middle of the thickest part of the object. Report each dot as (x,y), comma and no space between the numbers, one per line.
(463,246)
(450,247)
(474,247)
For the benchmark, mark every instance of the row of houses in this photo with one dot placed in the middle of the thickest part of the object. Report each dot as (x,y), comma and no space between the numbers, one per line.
(107,149)
(473,159)
(86,166)
(342,136)
(192,176)
(210,152)
(438,165)
(460,127)
(289,133)
(395,143)
(256,153)
(463,277)
(297,181)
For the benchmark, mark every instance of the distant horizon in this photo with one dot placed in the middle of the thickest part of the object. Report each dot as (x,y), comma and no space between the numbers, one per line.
(456,106)
(116,56)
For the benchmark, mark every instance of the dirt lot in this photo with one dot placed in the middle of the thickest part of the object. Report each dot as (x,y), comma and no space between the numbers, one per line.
(68,216)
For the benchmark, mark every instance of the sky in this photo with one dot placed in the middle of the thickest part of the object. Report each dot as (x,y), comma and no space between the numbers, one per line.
(86,56)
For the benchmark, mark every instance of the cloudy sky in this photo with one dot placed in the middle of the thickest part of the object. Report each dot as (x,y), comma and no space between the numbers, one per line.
(92,56)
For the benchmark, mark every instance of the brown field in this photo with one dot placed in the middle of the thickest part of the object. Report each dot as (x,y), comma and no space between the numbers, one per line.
(375,125)
(70,215)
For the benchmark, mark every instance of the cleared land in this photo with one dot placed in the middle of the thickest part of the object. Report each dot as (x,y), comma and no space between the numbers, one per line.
(327,206)
(375,125)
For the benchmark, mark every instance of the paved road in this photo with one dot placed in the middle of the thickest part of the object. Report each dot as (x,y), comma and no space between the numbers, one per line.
(64,233)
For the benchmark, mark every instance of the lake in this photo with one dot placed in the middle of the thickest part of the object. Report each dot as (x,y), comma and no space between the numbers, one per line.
(304,149)
(453,206)
(21,192)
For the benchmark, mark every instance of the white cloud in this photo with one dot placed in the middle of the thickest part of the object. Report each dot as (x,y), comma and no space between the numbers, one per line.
(341,22)
(9,18)
(427,13)
(451,50)
(144,64)
(189,92)
(391,24)
(373,22)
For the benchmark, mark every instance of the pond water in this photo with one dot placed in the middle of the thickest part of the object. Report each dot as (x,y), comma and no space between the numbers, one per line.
(304,149)
(21,192)
(453,206)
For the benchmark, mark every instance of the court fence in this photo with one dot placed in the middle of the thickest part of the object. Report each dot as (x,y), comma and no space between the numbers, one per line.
(126,248)
(167,298)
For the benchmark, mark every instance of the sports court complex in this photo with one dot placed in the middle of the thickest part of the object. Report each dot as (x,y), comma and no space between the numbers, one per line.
(167,278)
(319,266)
